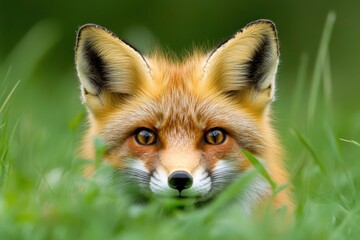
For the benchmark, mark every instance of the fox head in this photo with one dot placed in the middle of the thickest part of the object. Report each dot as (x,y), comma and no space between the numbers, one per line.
(177,128)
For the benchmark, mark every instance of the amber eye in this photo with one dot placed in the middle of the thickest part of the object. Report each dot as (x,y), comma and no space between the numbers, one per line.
(145,136)
(215,136)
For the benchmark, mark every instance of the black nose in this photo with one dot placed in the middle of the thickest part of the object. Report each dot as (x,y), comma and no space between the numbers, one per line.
(180,180)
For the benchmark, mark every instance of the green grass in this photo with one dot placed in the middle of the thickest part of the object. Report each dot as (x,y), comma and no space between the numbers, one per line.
(44,196)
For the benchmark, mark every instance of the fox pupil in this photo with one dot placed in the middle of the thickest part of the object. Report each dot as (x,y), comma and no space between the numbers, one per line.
(215,137)
(145,137)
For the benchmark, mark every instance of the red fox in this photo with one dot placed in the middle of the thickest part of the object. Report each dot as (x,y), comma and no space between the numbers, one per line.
(178,128)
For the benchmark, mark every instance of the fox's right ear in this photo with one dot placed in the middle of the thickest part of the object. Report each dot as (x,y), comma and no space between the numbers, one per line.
(108,68)
(245,66)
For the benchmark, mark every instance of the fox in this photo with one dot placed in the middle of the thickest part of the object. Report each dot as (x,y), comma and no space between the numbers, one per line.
(178,128)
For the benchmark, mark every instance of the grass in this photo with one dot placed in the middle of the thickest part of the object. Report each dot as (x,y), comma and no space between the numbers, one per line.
(44,196)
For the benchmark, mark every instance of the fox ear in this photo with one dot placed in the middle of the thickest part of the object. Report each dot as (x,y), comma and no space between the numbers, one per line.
(108,68)
(246,63)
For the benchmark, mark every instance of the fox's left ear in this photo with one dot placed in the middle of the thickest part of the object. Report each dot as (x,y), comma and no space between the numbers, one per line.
(109,69)
(246,64)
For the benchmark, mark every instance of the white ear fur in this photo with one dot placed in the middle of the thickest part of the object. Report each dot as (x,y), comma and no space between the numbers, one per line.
(107,64)
(246,61)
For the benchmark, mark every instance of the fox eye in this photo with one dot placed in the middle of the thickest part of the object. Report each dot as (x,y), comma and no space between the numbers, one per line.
(145,136)
(215,136)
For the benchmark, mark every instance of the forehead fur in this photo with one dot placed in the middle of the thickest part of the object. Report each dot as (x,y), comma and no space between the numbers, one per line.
(180,105)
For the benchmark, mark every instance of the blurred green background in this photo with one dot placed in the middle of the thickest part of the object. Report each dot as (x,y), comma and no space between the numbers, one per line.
(41,126)
(37,41)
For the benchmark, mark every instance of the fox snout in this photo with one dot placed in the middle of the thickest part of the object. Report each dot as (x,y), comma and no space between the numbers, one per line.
(181,183)
(174,178)
(180,174)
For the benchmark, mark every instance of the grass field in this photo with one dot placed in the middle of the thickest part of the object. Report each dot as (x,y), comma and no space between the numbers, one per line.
(43,195)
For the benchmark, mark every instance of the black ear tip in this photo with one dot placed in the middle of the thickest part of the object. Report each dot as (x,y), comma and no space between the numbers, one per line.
(89,26)
(268,22)
(80,31)
(86,27)
(262,21)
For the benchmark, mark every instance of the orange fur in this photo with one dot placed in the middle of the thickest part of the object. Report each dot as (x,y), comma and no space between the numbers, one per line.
(230,88)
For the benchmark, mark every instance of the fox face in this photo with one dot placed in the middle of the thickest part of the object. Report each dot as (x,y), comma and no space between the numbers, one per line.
(178,128)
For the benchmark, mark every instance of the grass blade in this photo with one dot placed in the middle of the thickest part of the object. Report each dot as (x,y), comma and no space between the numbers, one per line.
(311,150)
(320,64)
(233,190)
(350,141)
(260,168)
(5,163)
(300,80)
(327,83)
(37,42)
(9,96)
